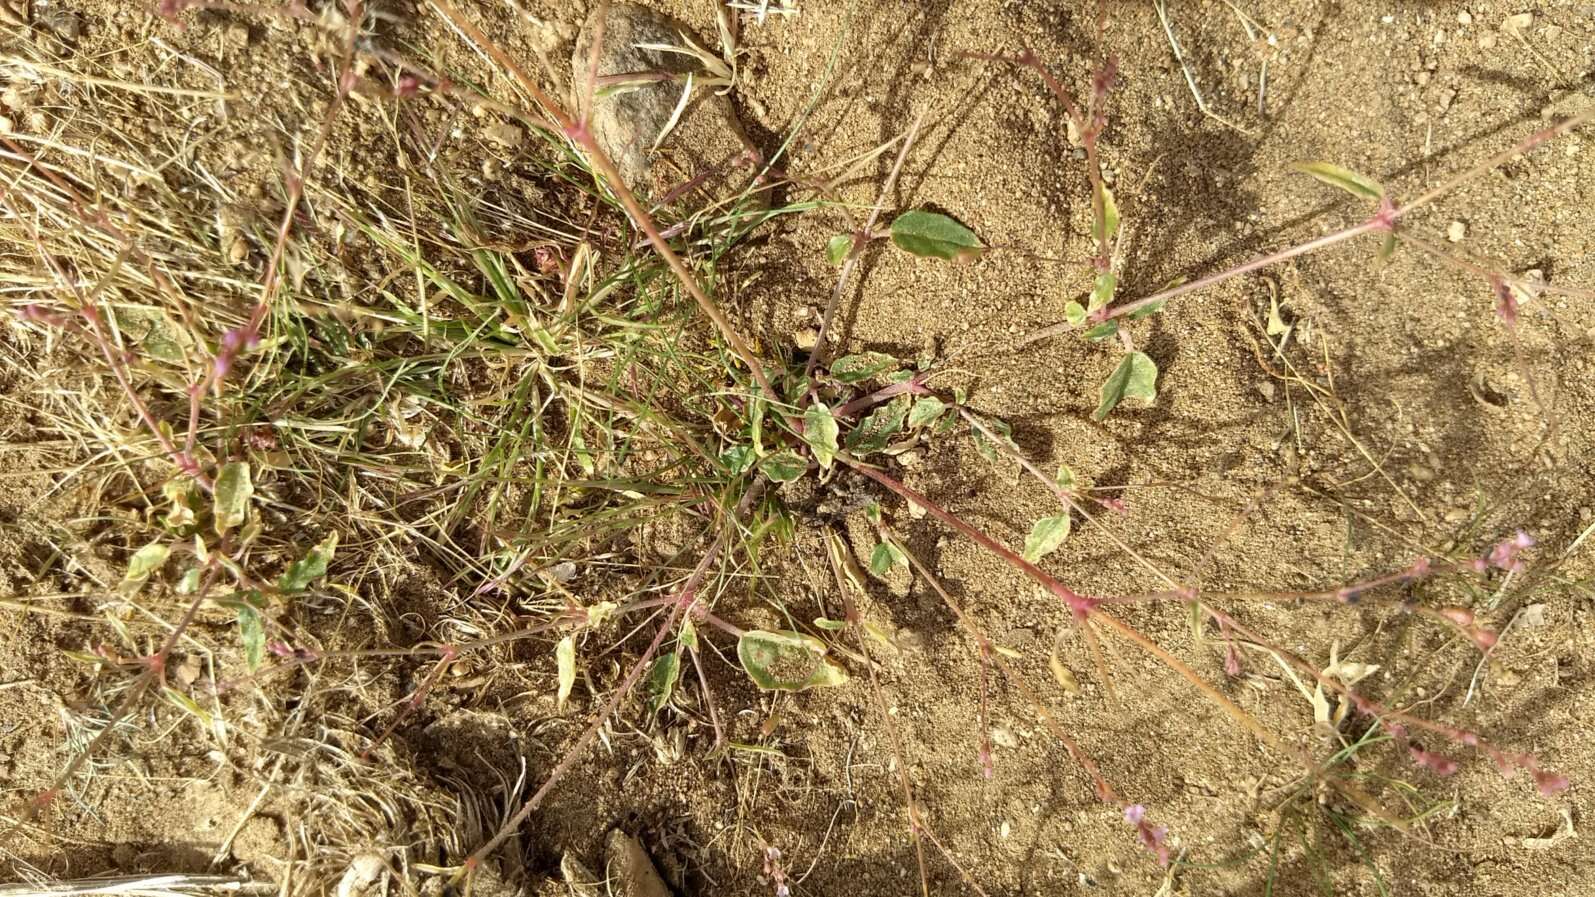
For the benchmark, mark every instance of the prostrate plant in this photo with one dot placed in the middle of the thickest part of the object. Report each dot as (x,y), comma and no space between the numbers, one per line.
(767,424)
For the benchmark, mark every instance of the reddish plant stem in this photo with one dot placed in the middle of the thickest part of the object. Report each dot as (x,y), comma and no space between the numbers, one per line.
(1077,604)
(914,385)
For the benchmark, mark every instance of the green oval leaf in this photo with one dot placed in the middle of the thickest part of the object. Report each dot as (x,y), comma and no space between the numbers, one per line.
(854,368)
(1045,537)
(784,466)
(926,410)
(233,491)
(1343,178)
(1102,291)
(1136,377)
(305,571)
(252,630)
(935,235)
(837,248)
(662,678)
(886,556)
(787,661)
(820,431)
(876,430)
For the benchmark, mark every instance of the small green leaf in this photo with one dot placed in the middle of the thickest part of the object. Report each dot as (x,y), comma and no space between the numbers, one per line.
(1075,313)
(1066,478)
(787,661)
(1344,178)
(565,660)
(598,613)
(144,563)
(252,629)
(233,490)
(886,556)
(837,248)
(1388,247)
(784,466)
(1108,225)
(1105,330)
(1147,311)
(1046,536)
(1102,291)
(820,431)
(926,410)
(829,625)
(931,234)
(1136,377)
(876,430)
(854,368)
(305,571)
(189,583)
(737,458)
(689,636)
(662,680)
(985,446)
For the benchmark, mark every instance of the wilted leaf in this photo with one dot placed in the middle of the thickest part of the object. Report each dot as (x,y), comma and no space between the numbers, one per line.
(1136,377)
(854,368)
(565,659)
(252,629)
(787,661)
(1046,536)
(933,234)
(1344,178)
(301,573)
(1104,228)
(598,613)
(233,491)
(926,410)
(1064,676)
(662,680)
(784,466)
(820,431)
(837,248)
(829,625)
(144,563)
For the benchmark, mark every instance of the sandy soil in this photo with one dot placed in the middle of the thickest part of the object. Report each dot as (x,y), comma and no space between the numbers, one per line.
(1449,431)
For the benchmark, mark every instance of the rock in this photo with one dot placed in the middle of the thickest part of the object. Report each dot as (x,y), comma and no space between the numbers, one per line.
(706,147)
(806,338)
(1456,232)
(1516,24)
(630,869)
(581,880)
(1464,18)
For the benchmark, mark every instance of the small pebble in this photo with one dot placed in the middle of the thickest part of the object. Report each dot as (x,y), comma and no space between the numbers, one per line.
(1456,232)
(1487,40)
(1516,24)
(806,338)
(1464,18)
